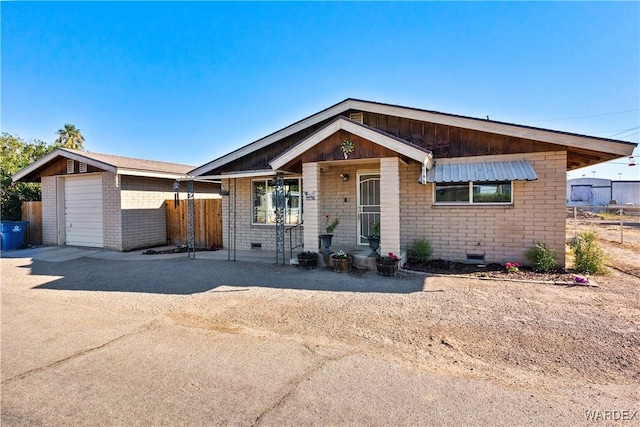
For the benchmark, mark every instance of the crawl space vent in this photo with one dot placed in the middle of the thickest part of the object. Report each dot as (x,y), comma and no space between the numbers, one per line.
(475,259)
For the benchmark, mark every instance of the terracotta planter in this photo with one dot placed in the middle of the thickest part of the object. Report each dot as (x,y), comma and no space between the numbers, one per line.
(387,269)
(342,265)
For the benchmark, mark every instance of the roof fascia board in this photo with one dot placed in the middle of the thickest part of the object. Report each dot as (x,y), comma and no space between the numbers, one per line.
(356,129)
(92,162)
(289,130)
(60,152)
(245,174)
(148,174)
(542,135)
(549,136)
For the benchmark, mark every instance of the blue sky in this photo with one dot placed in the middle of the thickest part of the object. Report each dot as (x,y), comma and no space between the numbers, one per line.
(189,82)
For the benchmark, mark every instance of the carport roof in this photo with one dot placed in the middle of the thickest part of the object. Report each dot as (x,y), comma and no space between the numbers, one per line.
(107,162)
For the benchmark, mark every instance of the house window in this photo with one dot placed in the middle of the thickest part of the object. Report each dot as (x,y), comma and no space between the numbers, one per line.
(264,202)
(474,193)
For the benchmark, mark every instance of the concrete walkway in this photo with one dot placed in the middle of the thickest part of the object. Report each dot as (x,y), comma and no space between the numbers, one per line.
(68,253)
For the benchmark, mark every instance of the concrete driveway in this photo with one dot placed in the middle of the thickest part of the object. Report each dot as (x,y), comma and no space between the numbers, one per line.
(86,341)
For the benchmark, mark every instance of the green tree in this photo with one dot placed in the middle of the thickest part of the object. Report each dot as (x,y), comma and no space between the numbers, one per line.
(15,154)
(70,137)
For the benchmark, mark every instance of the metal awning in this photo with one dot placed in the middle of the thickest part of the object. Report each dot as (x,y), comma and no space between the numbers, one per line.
(520,170)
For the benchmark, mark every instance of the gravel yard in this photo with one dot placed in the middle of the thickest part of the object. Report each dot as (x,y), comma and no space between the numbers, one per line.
(577,342)
(573,345)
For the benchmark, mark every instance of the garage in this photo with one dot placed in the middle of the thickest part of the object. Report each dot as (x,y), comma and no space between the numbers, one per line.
(105,201)
(83,221)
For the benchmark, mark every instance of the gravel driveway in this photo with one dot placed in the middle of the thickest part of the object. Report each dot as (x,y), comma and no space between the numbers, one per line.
(94,341)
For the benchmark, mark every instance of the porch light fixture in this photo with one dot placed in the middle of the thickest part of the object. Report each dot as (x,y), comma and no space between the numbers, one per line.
(344,176)
(632,162)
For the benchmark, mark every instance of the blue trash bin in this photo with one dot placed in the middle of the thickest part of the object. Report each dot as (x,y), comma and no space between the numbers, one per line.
(12,234)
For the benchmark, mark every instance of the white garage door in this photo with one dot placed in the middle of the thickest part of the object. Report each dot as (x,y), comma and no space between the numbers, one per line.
(83,211)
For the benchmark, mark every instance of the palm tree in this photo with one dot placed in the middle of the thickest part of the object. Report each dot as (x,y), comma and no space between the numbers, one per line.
(70,137)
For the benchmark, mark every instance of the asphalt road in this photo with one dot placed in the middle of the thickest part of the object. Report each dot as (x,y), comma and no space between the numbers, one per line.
(69,358)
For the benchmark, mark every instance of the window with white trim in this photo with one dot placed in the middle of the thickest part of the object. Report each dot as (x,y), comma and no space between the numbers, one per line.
(474,193)
(263,198)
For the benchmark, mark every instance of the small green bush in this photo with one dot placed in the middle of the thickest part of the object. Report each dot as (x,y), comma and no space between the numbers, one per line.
(420,251)
(589,257)
(542,257)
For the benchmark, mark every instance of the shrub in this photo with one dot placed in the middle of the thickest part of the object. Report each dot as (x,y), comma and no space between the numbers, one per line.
(542,257)
(420,251)
(588,255)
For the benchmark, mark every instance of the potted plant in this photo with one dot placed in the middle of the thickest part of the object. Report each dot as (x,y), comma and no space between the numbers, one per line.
(374,239)
(388,265)
(330,226)
(308,260)
(341,261)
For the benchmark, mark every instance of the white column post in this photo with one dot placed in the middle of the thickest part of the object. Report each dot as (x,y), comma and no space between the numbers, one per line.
(390,205)
(311,200)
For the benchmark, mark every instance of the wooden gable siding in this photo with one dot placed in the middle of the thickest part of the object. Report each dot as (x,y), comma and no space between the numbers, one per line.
(329,150)
(260,159)
(449,141)
(442,140)
(59,167)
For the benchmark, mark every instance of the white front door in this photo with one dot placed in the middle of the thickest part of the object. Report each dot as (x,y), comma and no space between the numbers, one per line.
(368,204)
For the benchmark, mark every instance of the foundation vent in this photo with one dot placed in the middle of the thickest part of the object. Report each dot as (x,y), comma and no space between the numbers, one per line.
(256,246)
(475,259)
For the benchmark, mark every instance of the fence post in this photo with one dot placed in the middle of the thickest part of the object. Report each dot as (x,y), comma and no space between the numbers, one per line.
(621,228)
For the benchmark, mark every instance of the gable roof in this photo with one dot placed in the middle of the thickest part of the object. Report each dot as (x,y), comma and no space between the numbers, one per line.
(610,146)
(107,162)
(376,136)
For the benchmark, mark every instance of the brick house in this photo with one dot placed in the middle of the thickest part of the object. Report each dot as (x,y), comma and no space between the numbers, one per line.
(478,190)
(105,201)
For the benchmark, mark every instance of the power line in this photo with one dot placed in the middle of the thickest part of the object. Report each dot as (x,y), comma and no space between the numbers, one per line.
(625,131)
(584,117)
(611,130)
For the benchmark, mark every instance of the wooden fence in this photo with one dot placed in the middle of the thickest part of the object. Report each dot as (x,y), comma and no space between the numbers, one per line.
(207,222)
(32,212)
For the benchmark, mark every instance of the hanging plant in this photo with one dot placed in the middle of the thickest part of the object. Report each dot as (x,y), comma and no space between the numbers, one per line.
(346,148)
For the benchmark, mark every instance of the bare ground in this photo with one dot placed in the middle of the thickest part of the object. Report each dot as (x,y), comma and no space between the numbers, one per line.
(579,342)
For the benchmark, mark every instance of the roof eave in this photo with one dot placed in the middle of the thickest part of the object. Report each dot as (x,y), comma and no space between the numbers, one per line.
(342,123)
(60,152)
(334,110)
(617,147)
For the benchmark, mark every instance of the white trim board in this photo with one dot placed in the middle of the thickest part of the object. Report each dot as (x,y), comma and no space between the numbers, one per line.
(365,132)
(622,148)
